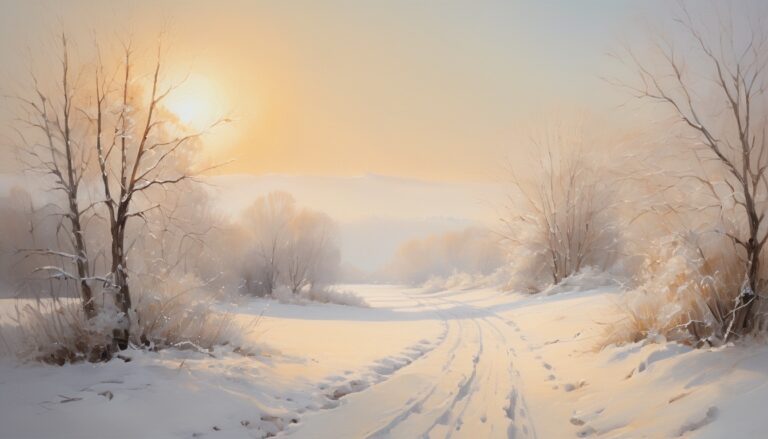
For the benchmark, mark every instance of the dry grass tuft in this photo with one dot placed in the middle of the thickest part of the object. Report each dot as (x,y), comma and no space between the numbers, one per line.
(55,331)
(687,293)
(179,316)
(176,315)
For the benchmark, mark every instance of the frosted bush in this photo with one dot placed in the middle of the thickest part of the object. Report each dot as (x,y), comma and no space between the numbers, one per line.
(465,281)
(178,314)
(339,297)
(324,295)
(564,217)
(686,292)
(175,314)
(589,278)
(54,331)
(472,251)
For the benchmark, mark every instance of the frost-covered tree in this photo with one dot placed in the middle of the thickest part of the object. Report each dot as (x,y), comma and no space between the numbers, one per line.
(102,125)
(713,79)
(140,149)
(51,144)
(311,256)
(266,221)
(286,246)
(561,219)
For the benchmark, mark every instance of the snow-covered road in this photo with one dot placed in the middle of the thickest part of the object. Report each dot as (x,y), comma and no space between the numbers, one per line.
(473,363)
(465,386)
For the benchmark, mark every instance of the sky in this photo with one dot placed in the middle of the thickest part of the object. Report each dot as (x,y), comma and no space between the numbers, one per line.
(355,106)
(436,90)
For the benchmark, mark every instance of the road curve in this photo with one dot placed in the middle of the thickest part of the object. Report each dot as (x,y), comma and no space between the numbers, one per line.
(466,386)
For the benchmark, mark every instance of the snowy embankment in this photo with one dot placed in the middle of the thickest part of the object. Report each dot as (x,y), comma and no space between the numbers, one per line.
(471,363)
(301,358)
(645,389)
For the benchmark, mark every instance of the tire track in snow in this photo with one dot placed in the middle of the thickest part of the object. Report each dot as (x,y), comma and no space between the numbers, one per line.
(516,407)
(466,387)
(394,427)
(371,408)
(467,391)
(383,368)
(483,407)
(482,414)
(491,403)
(468,412)
(453,387)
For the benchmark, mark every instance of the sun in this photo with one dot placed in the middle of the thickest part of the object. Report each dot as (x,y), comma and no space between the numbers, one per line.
(195,102)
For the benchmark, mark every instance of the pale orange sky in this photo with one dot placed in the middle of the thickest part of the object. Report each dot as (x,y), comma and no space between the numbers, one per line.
(432,90)
(398,92)
(424,89)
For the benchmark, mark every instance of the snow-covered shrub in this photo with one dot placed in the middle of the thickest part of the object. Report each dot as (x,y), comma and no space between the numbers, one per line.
(339,297)
(466,281)
(456,281)
(174,314)
(564,217)
(55,331)
(325,295)
(589,278)
(720,137)
(178,313)
(687,292)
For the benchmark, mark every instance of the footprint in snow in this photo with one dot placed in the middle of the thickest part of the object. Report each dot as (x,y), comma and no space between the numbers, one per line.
(571,387)
(587,431)
(708,418)
(581,419)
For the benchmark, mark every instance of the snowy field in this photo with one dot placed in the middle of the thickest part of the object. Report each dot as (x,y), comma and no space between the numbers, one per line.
(475,364)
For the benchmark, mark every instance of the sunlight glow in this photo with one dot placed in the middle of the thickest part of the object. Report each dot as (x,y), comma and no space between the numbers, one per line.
(196,103)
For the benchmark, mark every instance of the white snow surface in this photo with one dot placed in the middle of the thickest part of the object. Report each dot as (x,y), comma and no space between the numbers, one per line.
(475,363)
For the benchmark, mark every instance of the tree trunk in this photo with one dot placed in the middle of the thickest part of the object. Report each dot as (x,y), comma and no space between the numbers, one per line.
(122,296)
(744,318)
(86,294)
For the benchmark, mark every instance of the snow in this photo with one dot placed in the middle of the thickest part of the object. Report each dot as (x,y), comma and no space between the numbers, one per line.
(416,363)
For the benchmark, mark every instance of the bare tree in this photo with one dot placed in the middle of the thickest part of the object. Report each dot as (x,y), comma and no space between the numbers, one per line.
(717,89)
(269,218)
(563,214)
(50,147)
(137,152)
(140,150)
(286,246)
(309,244)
